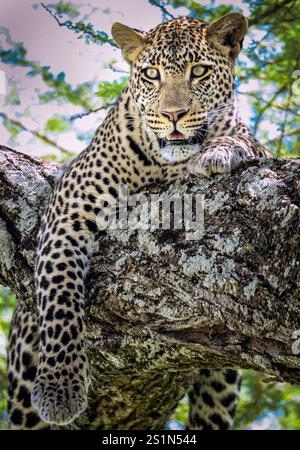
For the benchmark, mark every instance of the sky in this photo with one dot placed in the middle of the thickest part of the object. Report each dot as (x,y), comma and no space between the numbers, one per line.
(61,49)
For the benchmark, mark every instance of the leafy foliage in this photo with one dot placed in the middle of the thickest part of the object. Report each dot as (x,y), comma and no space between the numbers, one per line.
(59,88)
(109,91)
(57,124)
(268,405)
(65,8)
(82,29)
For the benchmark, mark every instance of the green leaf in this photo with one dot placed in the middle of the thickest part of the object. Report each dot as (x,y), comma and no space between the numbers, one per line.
(110,90)
(57,125)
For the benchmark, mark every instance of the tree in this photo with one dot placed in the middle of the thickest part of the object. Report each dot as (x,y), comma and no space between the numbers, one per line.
(159,306)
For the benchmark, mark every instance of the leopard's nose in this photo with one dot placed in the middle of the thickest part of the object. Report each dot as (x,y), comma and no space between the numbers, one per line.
(174,116)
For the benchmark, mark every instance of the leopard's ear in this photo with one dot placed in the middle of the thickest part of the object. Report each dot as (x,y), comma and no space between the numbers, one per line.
(129,40)
(227,34)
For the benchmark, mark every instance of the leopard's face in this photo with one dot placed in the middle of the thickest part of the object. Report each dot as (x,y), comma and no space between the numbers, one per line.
(179,71)
(182,83)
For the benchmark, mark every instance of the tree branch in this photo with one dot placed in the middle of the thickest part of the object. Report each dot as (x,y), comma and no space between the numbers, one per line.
(166,15)
(288,133)
(35,133)
(160,306)
(89,111)
(87,30)
(269,12)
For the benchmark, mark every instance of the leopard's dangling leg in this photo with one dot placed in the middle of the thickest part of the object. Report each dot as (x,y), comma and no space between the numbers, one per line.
(22,367)
(213,399)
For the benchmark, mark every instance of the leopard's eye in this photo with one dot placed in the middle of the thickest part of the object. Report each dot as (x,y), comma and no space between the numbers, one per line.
(151,73)
(200,71)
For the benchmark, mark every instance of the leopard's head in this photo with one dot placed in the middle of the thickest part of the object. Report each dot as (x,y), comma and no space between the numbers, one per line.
(182,78)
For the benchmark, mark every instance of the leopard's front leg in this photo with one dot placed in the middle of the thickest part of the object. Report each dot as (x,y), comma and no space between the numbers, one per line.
(222,155)
(68,232)
(61,385)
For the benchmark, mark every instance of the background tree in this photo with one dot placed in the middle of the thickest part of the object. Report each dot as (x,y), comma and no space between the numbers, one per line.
(268,81)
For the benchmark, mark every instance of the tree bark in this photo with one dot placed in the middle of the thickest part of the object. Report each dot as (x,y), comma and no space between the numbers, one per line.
(160,306)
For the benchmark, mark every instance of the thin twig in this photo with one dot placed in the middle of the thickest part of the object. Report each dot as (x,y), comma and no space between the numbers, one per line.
(269,12)
(71,26)
(158,3)
(89,111)
(283,125)
(288,134)
(258,98)
(267,105)
(37,134)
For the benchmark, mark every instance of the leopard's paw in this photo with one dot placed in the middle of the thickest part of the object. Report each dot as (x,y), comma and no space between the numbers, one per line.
(220,160)
(59,400)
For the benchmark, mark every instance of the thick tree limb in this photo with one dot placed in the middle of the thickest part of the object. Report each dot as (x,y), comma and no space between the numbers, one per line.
(160,306)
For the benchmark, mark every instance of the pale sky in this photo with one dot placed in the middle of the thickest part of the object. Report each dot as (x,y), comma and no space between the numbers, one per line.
(61,49)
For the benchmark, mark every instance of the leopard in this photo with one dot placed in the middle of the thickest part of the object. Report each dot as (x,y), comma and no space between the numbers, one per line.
(177,115)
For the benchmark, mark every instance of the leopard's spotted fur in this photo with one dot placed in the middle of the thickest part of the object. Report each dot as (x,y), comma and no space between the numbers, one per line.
(133,146)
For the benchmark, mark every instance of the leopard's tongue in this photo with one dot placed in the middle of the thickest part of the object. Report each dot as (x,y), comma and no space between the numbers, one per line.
(176,135)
